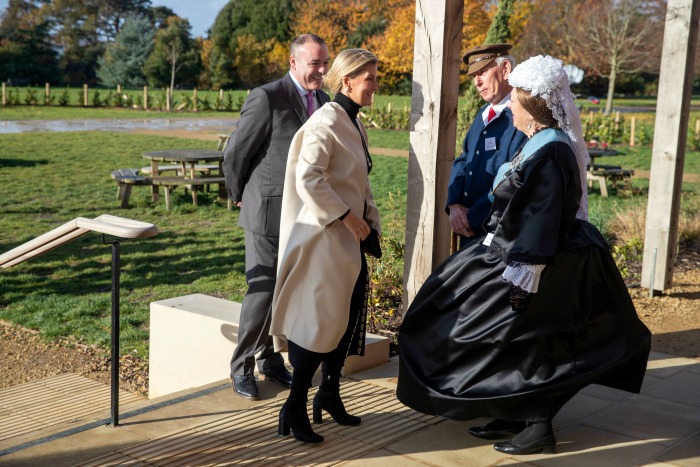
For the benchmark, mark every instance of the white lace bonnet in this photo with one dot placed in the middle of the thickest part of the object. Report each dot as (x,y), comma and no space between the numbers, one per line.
(545,76)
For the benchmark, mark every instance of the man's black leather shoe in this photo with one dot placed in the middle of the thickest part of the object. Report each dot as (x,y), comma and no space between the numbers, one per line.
(245,386)
(280,375)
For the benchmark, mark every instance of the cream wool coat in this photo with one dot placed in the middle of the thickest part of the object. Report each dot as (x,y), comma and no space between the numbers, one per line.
(319,259)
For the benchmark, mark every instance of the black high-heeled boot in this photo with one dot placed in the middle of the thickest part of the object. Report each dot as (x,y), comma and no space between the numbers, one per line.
(328,398)
(537,437)
(293,415)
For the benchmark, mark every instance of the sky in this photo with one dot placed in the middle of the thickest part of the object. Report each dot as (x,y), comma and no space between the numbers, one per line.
(200,13)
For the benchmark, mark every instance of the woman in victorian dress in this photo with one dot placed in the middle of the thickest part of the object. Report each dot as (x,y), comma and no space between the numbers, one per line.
(319,304)
(513,325)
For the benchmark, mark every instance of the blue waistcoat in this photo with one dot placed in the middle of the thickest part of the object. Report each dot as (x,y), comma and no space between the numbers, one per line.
(473,171)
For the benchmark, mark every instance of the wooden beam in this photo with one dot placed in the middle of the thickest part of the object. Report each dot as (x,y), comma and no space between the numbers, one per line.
(436,62)
(670,137)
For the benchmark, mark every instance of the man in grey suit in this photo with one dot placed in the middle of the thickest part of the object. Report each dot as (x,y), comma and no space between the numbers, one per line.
(255,160)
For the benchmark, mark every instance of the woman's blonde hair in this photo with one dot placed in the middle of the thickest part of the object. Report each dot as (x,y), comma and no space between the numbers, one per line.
(349,63)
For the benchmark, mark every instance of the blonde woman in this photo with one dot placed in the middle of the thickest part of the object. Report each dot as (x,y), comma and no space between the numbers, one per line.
(319,304)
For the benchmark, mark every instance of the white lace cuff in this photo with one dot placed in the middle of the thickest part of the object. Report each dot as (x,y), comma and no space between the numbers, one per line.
(525,276)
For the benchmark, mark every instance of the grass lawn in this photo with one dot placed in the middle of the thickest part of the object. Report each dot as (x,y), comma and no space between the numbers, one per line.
(48,179)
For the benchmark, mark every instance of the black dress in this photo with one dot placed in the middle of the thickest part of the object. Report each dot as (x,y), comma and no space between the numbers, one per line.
(465,353)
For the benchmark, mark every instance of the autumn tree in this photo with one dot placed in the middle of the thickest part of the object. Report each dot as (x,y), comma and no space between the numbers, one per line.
(394,48)
(268,21)
(550,30)
(174,52)
(611,34)
(345,23)
(260,61)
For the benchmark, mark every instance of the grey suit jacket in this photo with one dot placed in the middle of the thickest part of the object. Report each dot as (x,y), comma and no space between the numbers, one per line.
(255,158)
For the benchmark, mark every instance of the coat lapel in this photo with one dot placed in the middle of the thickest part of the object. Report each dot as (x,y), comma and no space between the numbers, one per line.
(294,98)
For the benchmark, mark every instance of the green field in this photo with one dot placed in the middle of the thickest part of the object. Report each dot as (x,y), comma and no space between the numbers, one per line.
(48,179)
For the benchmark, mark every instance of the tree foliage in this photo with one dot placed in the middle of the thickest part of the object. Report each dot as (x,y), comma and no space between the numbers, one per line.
(26,54)
(158,16)
(258,61)
(264,20)
(123,61)
(611,35)
(344,23)
(174,56)
(549,29)
(395,50)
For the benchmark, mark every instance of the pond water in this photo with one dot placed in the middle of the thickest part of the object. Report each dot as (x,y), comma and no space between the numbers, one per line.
(21,126)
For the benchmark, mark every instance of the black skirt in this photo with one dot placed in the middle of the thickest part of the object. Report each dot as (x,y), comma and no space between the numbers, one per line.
(465,353)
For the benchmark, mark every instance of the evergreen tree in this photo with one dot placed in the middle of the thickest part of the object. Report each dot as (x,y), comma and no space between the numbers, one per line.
(123,61)
(499,32)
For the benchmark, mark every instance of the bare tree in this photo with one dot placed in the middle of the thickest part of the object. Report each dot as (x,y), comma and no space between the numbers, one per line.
(547,30)
(617,36)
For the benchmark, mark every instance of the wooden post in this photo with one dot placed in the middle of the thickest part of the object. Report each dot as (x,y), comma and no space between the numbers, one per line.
(633,129)
(194,99)
(617,120)
(221,94)
(167,98)
(590,116)
(697,128)
(4,94)
(119,89)
(145,98)
(668,152)
(436,62)
(85,95)
(47,94)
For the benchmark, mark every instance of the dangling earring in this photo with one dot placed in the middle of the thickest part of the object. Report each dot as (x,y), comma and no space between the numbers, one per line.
(529,126)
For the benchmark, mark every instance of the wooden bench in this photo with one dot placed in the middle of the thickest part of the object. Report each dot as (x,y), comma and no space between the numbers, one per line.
(223,140)
(201,168)
(602,174)
(126,178)
(170,183)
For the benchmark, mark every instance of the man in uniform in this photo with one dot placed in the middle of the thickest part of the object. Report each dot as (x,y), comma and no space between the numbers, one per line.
(491,141)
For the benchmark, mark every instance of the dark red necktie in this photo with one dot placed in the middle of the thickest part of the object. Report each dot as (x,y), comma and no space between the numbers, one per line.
(492,113)
(310,103)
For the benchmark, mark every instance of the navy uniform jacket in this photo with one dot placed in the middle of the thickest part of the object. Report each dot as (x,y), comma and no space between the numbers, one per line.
(473,171)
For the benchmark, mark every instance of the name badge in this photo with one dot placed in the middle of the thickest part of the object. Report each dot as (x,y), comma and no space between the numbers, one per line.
(487,240)
(490,143)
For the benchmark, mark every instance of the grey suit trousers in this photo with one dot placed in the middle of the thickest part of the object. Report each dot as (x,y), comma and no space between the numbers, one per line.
(256,309)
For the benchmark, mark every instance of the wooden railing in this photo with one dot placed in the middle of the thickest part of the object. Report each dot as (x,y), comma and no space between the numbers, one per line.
(105,224)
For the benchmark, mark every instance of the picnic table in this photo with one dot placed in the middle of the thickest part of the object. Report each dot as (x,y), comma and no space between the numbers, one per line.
(194,172)
(602,173)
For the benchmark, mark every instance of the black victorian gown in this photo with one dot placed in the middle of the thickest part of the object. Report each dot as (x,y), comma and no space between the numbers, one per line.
(464,352)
